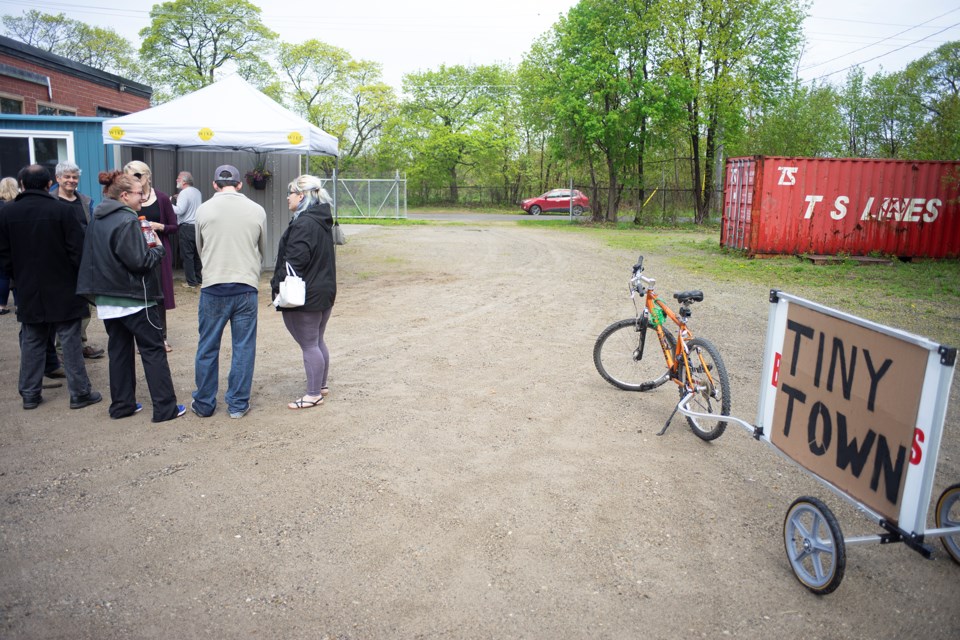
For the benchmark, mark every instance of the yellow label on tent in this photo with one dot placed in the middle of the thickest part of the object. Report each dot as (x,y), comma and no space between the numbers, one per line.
(205,134)
(116,132)
(295,137)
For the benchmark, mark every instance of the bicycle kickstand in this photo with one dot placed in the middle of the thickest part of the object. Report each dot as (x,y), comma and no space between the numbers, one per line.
(673,413)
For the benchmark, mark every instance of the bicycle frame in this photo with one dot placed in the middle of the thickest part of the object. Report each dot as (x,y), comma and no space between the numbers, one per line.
(680,352)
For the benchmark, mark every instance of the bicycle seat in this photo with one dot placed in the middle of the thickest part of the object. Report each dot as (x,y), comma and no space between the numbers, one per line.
(685,297)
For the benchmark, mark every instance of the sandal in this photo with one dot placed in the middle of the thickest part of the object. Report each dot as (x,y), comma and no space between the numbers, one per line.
(303,403)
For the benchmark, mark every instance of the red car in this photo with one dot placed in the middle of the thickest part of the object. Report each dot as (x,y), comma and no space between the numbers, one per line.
(556,200)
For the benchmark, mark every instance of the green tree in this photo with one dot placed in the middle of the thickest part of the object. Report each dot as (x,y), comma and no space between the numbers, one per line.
(596,90)
(345,97)
(893,116)
(100,48)
(449,120)
(933,84)
(372,104)
(731,56)
(805,121)
(189,41)
(854,105)
(318,78)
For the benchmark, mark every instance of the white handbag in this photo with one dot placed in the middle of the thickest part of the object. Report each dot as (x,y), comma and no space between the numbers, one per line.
(293,291)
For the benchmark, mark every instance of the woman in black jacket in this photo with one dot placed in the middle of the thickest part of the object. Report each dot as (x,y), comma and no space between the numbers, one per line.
(307,246)
(119,273)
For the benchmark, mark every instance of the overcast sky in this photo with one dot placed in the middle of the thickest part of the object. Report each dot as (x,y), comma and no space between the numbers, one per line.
(418,35)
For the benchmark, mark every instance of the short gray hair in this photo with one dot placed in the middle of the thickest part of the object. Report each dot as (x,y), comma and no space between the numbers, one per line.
(67,167)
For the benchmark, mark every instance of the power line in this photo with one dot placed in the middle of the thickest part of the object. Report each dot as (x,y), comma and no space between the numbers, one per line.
(857,64)
(882,40)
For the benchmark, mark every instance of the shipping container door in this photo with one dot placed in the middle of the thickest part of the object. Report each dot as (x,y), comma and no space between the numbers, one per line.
(738,202)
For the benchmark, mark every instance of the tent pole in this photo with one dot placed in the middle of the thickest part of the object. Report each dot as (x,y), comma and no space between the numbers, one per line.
(336,172)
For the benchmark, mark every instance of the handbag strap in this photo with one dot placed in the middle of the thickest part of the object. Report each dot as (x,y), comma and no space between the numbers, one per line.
(290,271)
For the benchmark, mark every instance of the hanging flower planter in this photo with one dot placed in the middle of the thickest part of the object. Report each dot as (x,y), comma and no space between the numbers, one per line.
(258,176)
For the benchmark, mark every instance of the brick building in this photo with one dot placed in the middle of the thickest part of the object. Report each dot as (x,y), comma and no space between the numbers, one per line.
(51,109)
(36,82)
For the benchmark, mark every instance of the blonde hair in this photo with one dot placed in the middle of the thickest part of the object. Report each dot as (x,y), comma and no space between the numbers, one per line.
(8,189)
(312,189)
(135,166)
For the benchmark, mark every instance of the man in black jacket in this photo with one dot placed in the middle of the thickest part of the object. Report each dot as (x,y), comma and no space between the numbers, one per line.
(67,180)
(40,247)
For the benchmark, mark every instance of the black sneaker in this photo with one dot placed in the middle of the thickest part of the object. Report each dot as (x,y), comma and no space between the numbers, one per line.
(32,403)
(85,401)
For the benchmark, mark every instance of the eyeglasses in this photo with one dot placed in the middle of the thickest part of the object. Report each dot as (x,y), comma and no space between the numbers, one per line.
(291,192)
(139,194)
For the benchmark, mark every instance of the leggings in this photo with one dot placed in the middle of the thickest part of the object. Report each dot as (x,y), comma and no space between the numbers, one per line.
(307,329)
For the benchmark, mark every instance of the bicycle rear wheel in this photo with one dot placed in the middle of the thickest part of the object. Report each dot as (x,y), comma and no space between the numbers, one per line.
(709,378)
(628,355)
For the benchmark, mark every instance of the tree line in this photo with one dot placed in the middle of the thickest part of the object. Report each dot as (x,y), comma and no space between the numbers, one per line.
(613,89)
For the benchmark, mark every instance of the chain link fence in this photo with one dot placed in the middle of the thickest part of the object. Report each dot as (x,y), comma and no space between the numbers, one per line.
(369,198)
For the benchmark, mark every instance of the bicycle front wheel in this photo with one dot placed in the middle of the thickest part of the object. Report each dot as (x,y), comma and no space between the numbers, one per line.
(630,358)
(709,379)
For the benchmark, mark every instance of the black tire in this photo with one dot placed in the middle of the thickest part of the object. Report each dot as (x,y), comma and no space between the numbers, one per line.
(577,210)
(616,350)
(814,545)
(948,515)
(713,384)
(535,210)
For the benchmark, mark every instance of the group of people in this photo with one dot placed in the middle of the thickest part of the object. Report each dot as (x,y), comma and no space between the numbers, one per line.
(61,262)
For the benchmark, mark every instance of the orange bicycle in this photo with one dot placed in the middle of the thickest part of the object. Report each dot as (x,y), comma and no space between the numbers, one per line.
(624,358)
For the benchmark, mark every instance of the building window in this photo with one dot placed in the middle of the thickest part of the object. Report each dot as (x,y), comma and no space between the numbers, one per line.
(103,112)
(20,148)
(44,109)
(11,105)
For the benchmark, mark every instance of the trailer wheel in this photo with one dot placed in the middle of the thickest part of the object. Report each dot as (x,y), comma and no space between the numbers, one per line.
(814,545)
(948,515)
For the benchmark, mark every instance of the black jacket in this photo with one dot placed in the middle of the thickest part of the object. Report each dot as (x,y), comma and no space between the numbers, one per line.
(40,245)
(116,259)
(307,245)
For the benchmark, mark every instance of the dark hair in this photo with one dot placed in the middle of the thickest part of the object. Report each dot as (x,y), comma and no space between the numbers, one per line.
(34,176)
(116,182)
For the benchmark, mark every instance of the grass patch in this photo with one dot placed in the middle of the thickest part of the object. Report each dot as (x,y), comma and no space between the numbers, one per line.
(384,222)
(513,210)
(922,297)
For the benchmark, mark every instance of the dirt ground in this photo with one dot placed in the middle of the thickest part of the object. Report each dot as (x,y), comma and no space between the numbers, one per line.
(470,476)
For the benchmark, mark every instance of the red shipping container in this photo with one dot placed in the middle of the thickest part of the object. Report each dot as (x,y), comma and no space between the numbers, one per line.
(829,206)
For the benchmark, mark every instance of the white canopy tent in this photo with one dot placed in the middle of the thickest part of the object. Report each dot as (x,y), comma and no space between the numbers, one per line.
(231,119)
(228,115)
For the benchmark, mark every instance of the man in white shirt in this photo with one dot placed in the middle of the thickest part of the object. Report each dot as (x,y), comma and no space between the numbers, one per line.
(185,206)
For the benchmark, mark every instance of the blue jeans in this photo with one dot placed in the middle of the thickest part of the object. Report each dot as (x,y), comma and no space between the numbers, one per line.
(214,312)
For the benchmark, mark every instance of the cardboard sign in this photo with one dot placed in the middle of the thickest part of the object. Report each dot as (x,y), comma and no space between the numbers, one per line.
(846,405)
